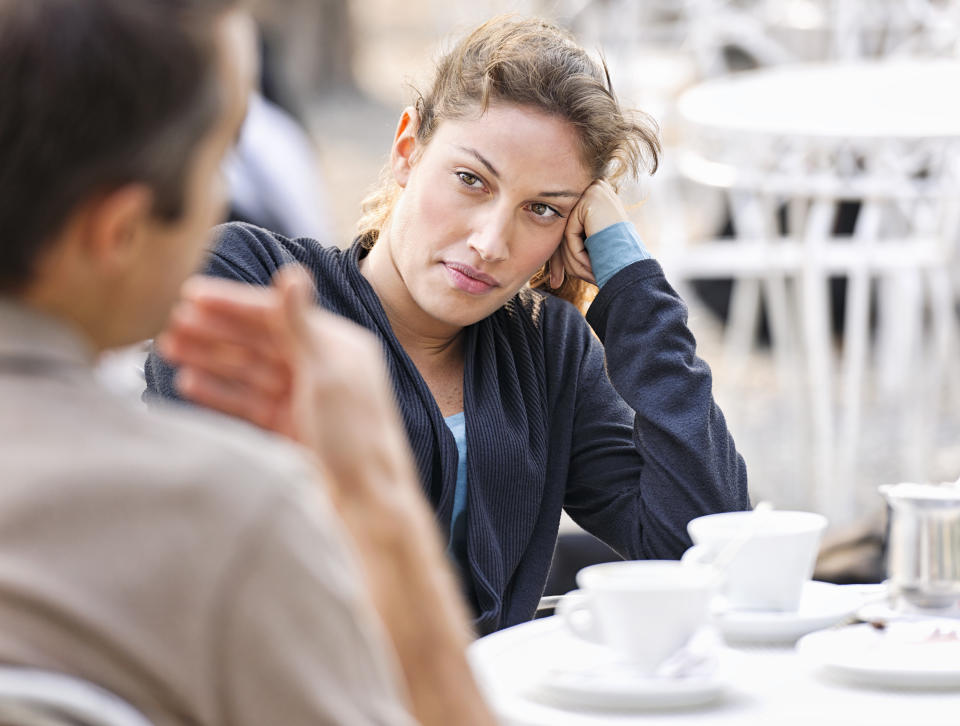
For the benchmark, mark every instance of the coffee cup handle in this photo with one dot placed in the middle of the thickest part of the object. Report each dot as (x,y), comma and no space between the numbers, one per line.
(574,609)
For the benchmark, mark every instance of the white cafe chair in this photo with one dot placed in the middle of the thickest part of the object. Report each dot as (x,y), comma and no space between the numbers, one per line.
(788,146)
(34,697)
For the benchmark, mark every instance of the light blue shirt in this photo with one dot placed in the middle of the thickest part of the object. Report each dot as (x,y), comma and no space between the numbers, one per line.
(613,248)
(457,549)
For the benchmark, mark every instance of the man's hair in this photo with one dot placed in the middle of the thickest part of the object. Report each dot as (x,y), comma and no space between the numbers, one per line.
(95,94)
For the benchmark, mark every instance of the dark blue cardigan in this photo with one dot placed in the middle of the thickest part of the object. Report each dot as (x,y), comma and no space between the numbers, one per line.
(630,443)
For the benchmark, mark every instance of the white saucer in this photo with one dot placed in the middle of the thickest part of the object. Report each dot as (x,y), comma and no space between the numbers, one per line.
(615,686)
(920,654)
(822,604)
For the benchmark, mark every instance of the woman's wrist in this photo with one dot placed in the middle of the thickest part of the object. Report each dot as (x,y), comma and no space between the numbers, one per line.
(613,248)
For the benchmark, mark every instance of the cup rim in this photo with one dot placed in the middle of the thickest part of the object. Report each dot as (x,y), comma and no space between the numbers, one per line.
(700,576)
(804,522)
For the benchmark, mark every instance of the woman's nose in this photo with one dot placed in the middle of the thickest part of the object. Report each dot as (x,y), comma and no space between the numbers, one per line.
(490,238)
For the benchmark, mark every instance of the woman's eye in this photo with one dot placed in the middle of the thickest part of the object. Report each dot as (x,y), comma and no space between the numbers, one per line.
(470,180)
(543,210)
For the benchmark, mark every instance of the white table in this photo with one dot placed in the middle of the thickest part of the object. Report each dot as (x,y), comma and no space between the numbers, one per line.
(787,146)
(768,686)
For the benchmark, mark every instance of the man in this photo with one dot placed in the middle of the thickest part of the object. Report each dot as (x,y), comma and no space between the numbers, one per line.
(195,567)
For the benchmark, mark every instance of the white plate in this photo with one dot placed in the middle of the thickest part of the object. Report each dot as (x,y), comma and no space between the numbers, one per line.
(922,654)
(821,605)
(613,686)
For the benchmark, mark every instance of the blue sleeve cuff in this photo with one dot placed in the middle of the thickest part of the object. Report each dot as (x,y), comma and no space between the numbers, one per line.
(613,248)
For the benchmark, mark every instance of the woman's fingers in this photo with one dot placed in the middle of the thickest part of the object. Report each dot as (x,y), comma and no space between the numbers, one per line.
(601,207)
(571,256)
(576,259)
(598,208)
(557,267)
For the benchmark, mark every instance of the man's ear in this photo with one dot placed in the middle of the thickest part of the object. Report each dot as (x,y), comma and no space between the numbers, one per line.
(404,145)
(115,225)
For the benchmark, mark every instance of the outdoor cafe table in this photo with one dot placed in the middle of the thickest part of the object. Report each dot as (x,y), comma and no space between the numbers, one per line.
(765,685)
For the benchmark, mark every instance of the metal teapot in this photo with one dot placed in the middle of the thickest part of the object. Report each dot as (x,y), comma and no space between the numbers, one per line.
(923,543)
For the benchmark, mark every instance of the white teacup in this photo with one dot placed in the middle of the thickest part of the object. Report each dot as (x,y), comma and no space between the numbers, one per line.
(646,610)
(770,554)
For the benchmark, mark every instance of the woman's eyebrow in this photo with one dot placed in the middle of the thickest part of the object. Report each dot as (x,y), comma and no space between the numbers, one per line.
(479,157)
(575,195)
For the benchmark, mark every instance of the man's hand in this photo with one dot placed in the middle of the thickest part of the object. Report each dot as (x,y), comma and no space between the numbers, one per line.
(271,356)
(227,339)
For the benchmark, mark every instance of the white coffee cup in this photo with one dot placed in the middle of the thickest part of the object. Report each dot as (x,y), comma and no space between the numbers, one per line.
(769,555)
(646,610)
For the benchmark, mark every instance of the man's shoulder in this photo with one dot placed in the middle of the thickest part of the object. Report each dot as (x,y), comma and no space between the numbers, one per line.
(188,486)
(218,451)
(111,446)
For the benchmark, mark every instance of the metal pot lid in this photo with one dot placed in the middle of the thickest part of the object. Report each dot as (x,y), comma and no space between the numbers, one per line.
(911,492)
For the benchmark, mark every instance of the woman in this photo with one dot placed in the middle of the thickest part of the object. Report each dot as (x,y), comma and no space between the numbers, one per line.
(499,182)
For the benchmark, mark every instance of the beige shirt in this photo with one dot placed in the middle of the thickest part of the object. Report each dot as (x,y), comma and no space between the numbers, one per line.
(186,562)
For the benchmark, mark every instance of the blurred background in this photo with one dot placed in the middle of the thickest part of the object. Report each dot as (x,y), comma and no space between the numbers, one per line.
(806,205)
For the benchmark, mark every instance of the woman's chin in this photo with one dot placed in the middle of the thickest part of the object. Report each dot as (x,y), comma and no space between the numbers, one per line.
(460,313)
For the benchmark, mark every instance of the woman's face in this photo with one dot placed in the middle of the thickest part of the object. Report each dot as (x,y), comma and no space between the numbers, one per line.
(483,206)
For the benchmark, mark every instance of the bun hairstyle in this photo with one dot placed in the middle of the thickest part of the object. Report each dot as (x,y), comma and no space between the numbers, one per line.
(529,62)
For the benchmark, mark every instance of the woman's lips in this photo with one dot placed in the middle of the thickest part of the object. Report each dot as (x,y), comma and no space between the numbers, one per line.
(469,279)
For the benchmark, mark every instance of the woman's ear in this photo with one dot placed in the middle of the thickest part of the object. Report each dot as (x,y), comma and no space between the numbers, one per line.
(404,145)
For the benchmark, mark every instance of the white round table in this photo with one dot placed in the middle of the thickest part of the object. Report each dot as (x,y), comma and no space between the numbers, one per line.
(857,100)
(766,686)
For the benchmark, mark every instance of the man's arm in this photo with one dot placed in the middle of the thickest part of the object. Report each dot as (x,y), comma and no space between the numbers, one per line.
(270,356)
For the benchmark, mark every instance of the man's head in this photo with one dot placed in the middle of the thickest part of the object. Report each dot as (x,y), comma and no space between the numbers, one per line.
(114,117)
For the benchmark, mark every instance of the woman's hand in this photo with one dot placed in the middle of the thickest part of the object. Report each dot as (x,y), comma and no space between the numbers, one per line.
(598,208)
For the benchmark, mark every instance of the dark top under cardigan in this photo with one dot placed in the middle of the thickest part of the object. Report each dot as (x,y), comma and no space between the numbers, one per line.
(630,443)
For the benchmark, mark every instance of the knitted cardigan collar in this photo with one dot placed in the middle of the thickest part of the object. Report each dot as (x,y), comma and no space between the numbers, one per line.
(505,402)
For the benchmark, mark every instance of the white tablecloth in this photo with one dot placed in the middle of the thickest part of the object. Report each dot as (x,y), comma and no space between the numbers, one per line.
(766,686)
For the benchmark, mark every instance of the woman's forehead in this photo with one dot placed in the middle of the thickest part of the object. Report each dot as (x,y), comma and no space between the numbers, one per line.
(512,138)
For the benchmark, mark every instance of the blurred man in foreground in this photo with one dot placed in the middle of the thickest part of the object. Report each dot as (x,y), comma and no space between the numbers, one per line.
(192,565)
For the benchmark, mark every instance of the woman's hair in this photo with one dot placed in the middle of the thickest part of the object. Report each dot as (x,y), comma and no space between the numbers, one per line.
(529,62)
